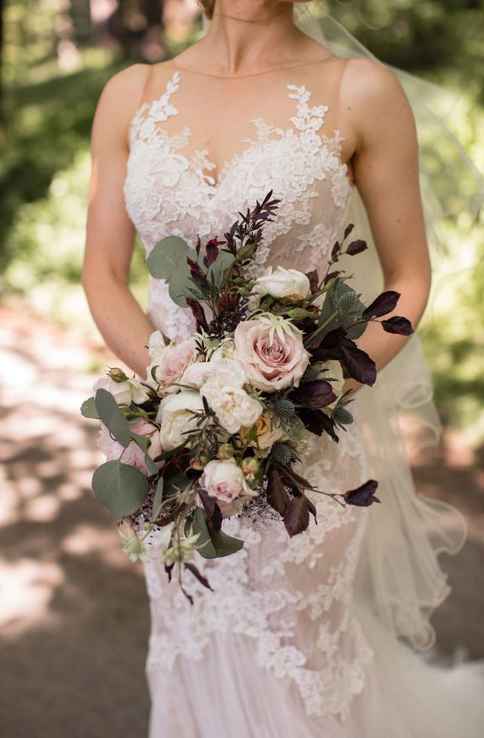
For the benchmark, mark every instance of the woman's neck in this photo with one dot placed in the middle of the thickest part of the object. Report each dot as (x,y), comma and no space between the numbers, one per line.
(248,35)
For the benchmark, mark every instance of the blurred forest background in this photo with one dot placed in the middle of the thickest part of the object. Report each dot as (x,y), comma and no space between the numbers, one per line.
(74,616)
(55,57)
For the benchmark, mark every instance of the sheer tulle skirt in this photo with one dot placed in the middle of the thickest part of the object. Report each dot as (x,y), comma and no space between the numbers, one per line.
(227,695)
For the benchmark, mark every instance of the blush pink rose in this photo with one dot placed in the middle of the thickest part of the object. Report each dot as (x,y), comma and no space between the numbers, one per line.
(272,353)
(133,455)
(171,361)
(225,481)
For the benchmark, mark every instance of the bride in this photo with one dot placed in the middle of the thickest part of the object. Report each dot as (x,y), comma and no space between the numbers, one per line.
(327,634)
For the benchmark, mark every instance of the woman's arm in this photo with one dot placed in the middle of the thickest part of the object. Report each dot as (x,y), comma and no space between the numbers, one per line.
(386,172)
(109,232)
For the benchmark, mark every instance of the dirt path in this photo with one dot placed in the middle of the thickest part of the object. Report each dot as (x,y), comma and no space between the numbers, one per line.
(74,616)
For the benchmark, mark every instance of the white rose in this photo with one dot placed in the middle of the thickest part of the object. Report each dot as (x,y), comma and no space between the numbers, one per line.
(225,481)
(175,416)
(123,392)
(231,403)
(229,370)
(283,283)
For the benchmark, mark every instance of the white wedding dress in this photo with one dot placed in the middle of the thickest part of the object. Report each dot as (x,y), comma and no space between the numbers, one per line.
(285,646)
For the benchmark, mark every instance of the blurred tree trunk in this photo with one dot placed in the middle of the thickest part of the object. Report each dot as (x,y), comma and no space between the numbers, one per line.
(80,12)
(137,25)
(2,39)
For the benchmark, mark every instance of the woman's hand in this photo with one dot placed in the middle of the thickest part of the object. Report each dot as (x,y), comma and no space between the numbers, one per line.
(109,232)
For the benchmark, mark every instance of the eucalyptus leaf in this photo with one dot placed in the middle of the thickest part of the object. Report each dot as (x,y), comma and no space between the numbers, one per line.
(212,544)
(119,487)
(112,417)
(217,270)
(88,409)
(152,467)
(342,416)
(142,441)
(198,524)
(168,260)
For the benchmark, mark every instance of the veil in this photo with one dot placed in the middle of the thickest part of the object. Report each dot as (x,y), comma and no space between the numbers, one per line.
(399,574)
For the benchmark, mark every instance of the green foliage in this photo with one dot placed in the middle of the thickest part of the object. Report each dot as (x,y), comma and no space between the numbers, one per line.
(119,487)
(211,544)
(168,260)
(112,417)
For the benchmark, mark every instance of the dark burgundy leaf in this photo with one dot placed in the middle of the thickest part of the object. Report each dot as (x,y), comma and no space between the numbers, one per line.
(364,495)
(168,570)
(312,509)
(292,478)
(211,252)
(327,347)
(332,275)
(296,517)
(348,230)
(357,363)
(317,393)
(194,266)
(187,595)
(398,324)
(335,251)
(198,574)
(198,313)
(356,247)
(313,280)
(198,246)
(208,502)
(277,495)
(383,304)
(317,422)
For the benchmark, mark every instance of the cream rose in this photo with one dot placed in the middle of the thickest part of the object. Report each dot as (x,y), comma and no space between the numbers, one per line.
(271,352)
(283,283)
(131,390)
(231,403)
(225,481)
(227,370)
(175,416)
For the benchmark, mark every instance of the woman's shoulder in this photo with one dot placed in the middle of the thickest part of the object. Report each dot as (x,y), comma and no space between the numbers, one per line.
(372,96)
(129,83)
(123,92)
(367,81)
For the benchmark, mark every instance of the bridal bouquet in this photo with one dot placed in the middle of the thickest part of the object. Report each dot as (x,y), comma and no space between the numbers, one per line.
(220,424)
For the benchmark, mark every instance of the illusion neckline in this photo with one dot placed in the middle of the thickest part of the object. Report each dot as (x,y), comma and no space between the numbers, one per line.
(250,74)
(213,183)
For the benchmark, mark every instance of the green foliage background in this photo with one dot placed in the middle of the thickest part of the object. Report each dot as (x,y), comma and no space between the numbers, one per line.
(44,165)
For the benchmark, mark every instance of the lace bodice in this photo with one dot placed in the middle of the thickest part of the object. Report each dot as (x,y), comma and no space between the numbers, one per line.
(170,187)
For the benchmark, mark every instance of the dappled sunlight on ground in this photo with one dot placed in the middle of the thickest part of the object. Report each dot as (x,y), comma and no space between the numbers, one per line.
(74,618)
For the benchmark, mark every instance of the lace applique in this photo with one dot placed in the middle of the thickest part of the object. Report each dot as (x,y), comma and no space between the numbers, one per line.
(320,237)
(292,596)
